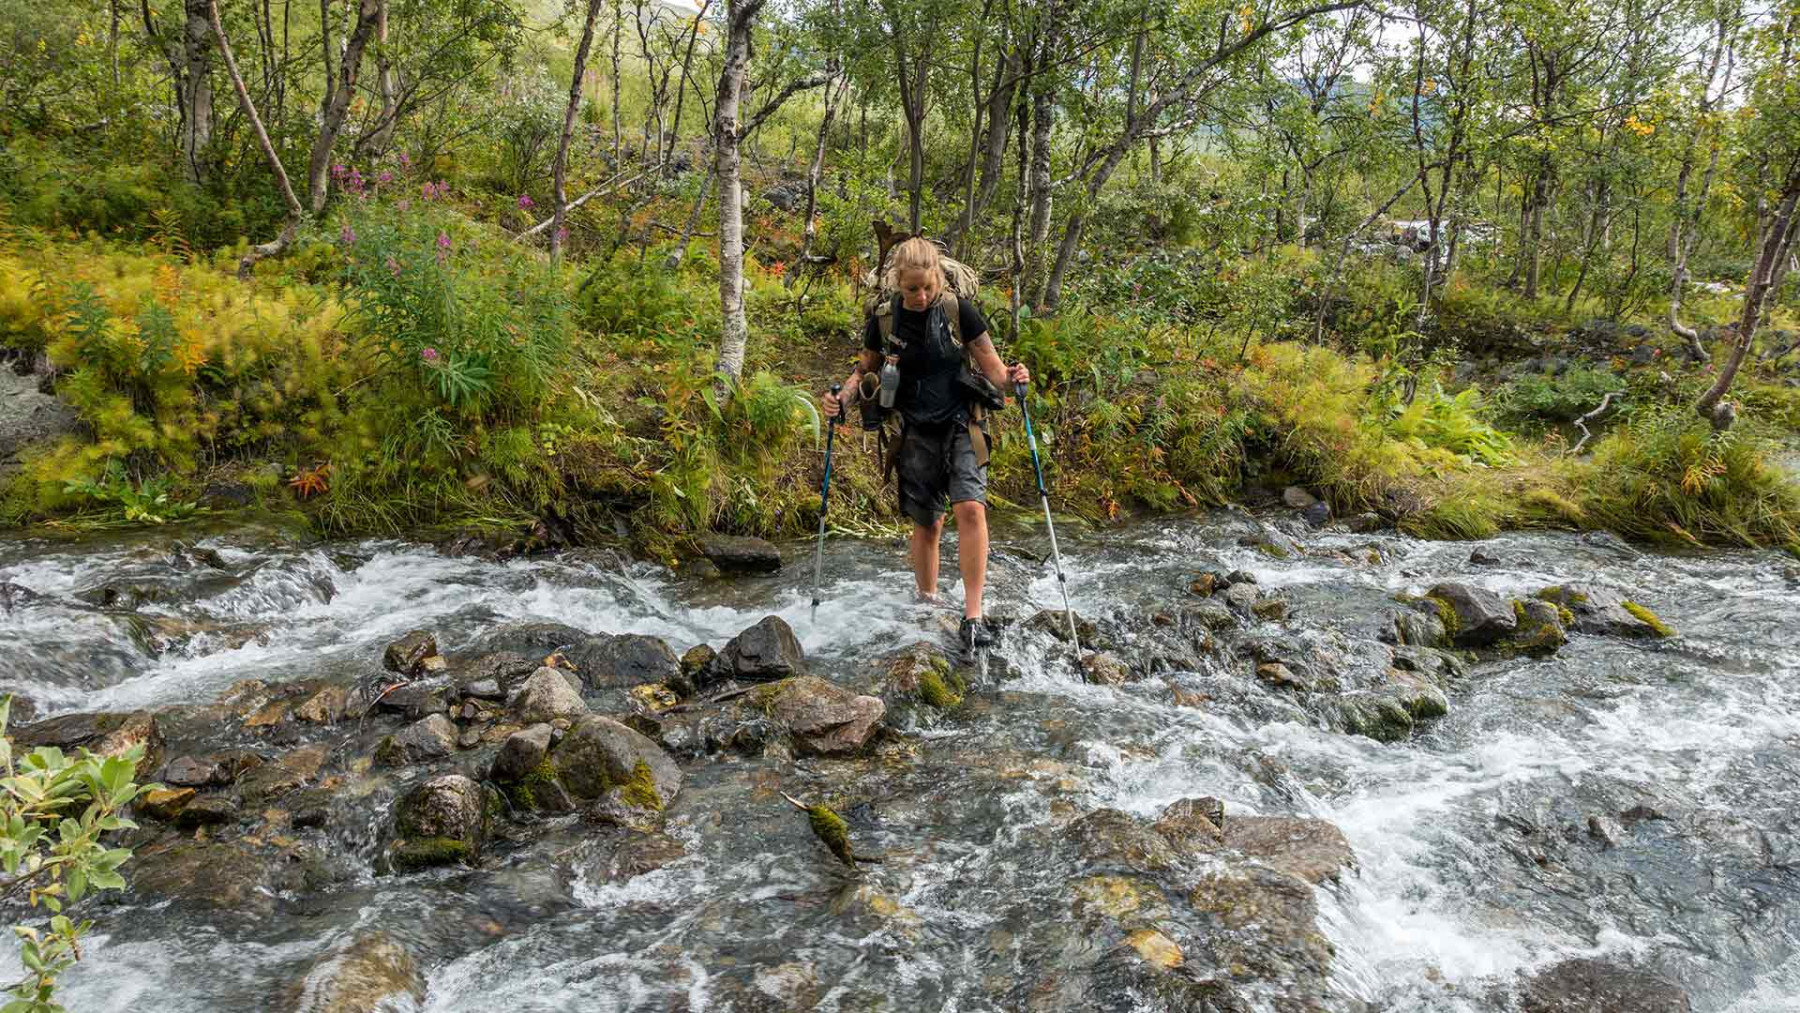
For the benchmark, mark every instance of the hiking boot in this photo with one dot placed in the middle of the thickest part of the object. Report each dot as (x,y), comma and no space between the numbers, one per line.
(979,634)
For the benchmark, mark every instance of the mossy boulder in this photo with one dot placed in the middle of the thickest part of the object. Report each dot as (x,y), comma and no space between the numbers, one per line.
(1601,611)
(1269,923)
(1103,669)
(1375,714)
(918,678)
(408,655)
(1472,616)
(430,738)
(440,821)
(599,756)
(1540,627)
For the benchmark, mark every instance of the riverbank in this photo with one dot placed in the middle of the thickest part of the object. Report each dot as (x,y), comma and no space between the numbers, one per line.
(535,408)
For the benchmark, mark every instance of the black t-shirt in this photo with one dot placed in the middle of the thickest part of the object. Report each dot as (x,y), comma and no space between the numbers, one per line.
(930,363)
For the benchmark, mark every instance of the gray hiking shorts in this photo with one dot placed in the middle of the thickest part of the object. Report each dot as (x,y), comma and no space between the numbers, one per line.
(935,466)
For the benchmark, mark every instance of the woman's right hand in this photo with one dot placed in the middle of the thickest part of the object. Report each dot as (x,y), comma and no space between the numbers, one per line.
(833,405)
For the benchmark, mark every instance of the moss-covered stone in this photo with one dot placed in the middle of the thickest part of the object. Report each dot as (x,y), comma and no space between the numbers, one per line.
(640,788)
(941,687)
(426,852)
(1446,614)
(1648,618)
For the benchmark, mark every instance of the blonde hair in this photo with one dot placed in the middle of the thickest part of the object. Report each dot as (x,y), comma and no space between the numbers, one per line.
(921,254)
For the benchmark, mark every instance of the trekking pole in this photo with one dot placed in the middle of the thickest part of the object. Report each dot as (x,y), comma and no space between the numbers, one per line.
(1050,526)
(824,498)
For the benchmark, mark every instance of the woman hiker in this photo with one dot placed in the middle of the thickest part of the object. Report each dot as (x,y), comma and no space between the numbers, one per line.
(937,457)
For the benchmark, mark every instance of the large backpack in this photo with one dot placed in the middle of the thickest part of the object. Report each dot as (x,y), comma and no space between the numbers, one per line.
(883,304)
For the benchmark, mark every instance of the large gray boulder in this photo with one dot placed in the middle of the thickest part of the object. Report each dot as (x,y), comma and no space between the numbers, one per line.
(599,756)
(764,652)
(547,696)
(621,661)
(1601,611)
(521,754)
(1472,616)
(27,416)
(429,738)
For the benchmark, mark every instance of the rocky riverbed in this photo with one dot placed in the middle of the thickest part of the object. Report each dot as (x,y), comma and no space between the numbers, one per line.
(1293,769)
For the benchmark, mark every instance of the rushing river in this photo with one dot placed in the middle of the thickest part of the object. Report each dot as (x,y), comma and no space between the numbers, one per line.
(1474,863)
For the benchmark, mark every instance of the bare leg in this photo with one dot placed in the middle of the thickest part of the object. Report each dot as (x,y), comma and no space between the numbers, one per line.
(924,551)
(972,553)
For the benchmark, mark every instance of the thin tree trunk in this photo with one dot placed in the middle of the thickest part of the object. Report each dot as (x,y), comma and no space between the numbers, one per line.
(112,43)
(679,253)
(618,31)
(559,171)
(687,62)
(336,103)
(740,18)
(833,97)
(295,213)
(1777,245)
(390,103)
(1684,230)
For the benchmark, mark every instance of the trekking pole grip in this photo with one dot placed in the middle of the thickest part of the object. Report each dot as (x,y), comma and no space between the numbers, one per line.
(837,392)
(1019,390)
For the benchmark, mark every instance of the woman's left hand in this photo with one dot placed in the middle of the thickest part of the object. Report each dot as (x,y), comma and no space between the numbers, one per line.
(1017,373)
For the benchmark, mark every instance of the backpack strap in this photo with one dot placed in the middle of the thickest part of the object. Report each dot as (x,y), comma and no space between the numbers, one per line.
(953,314)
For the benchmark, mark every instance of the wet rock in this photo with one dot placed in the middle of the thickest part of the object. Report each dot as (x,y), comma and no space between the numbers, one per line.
(918,675)
(325,707)
(1310,849)
(824,719)
(733,554)
(1272,543)
(1585,985)
(1270,923)
(599,755)
(416,700)
(164,804)
(1600,611)
(206,811)
(407,655)
(1242,597)
(623,661)
(521,754)
(1241,577)
(1193,825)
(1366,523)
(105,733)
(1472,616)
(533,640)
(1377,715)
(1056,623)
(212,876)
(438,822)
(1276,675)
(642,852)
(1105,670)
(1420,696)
(652,698)
(505,669)
(1210,583)
(375,972)
(546,696)
(1209,616)
(1481,558)
(1318,515)
(764,652)
(192,772)
(429,738)
(1128,900)
(1441,668)
(483,689)
(700,666)
(278,777)
(1270,610)
(1540,629)
(1110,837)
(1606,830)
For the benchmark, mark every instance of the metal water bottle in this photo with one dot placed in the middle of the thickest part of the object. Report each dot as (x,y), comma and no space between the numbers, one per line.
(890,380)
